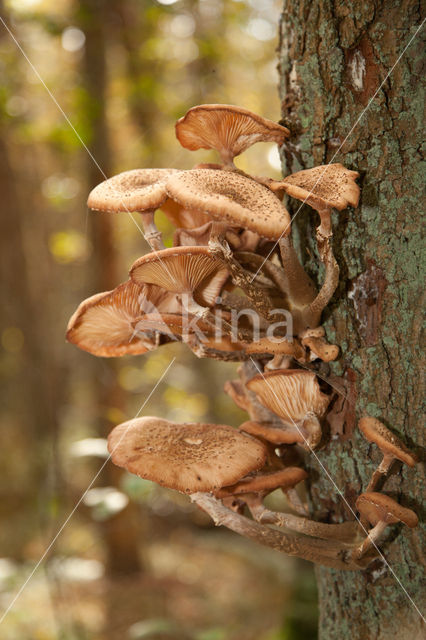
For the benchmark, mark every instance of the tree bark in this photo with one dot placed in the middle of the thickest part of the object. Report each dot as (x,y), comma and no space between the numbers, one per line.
(333,58)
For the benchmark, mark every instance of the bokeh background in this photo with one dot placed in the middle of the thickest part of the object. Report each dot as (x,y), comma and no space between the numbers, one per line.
(96,90)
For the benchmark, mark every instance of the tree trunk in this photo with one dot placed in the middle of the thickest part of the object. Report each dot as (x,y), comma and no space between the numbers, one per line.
(333,58)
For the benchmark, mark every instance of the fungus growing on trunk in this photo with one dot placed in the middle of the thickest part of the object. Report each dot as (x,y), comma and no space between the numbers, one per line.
(193,271)
(381,510)
(106,324)
(295,396)
(187,457)
(389,444)
(227,128)
(141,190)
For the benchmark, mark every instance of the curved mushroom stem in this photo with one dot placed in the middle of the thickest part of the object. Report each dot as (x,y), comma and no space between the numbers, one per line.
(261,301)
(382,470)
(151,233)
(295,501)
(371,540)
(329,553)
(271,270)
(345,532)
(278,362)
(331,277)
(300,288)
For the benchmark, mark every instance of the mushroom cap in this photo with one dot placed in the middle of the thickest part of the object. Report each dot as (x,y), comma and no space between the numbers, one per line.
(227,128)
(330,185)
(192,270)
(230,197)
(388,443)
(378,507)
(188,457)
(276,434)
(105,324)
(290,393)
(265,482)
(136,190)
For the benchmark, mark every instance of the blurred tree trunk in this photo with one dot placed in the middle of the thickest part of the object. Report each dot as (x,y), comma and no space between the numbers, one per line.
(121,532)
(333,57)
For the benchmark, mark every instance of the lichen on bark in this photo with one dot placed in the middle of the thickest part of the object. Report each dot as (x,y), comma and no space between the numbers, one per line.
(333,58)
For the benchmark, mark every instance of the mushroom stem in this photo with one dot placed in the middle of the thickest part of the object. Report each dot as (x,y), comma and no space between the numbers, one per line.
(344,532)
(329,553)
(274,273)
(295,501)
(371,540)
(261,301)
(151,233)
(331,276)
(300,288)
(382,470)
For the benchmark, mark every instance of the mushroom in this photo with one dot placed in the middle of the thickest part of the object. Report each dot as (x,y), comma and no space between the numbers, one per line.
(192,271)
(391,447)
(295,396)
(187,457)
(226,128)
(278,346)
(236,201)
(106,324)
(264,483)
(141,190)
(324,187)
(318,345)
(381,510)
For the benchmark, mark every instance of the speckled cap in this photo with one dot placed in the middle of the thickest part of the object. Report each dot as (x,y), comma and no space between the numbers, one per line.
(136,190)
(188,457)
(378,507)
(230,197)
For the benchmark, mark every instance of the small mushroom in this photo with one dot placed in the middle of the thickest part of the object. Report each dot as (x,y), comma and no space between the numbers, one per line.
(141,190)
(318,345)
(381,510)
(106,324)
(264,483)
(295,396)
(227,128)
(187,457)
(391,447)
(324,187)
(192,271)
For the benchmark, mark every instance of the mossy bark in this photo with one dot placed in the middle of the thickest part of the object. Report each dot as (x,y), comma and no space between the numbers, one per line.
(333,58)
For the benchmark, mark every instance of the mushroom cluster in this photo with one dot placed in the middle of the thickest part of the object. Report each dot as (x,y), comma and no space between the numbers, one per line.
(223,289)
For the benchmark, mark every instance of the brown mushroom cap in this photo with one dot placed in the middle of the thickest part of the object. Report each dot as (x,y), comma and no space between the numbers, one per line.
(276,434)
(377,507)
(183,270)
(188,457)
(388,443)
(105,324)
(227,128)
(290,393)
(330,185)
(283,479)
(136,190)
(230,197)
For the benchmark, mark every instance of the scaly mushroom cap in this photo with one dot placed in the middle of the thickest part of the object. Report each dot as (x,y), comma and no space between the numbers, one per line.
(290,393)
(283,479)
(330,185)
(227,128)
(388,443)
(378,507)
(105,324)
(229,197)
(188,457)
(192,270)
(136,190)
